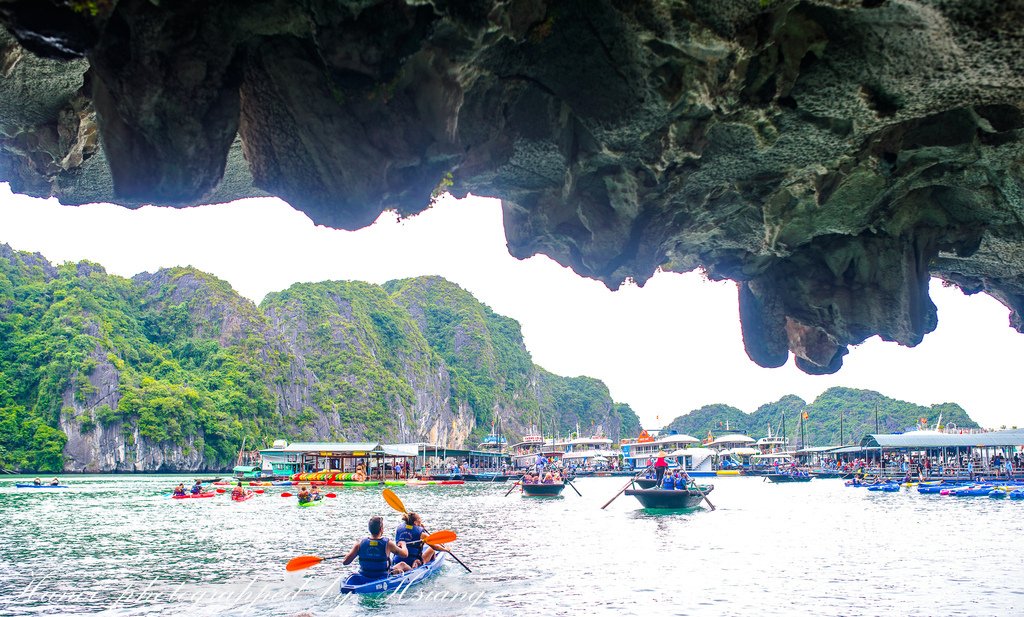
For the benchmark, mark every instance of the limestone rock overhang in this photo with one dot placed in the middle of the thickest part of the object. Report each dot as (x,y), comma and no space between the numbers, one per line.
(830,156)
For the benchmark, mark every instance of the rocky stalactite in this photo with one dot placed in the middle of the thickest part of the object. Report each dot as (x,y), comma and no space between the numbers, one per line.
(828,155)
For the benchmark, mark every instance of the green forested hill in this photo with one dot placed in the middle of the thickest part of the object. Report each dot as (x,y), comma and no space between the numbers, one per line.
(855,409)
(172,370)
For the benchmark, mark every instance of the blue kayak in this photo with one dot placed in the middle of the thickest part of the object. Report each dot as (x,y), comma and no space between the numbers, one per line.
(885,488)
(357,583)
(24,485)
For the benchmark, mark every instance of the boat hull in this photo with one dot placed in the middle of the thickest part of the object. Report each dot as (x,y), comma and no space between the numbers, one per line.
(543,490)
(21,485)
(357,583)
(659,499)
(645,482)
(785,477)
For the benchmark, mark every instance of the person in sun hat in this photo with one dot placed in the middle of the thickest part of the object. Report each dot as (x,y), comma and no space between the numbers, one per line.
(660,465)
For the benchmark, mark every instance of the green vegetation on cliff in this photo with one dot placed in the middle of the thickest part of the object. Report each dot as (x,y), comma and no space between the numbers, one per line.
(175,369)
(855,409)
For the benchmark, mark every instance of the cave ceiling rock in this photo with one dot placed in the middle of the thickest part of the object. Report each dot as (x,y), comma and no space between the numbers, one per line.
(830,156)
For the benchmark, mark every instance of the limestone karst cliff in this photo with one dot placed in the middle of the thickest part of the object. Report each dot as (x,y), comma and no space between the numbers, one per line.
(172,370)
(827,155)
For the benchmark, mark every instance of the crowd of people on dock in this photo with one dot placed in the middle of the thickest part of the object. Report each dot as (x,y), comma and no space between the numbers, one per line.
(379,557)
(999,465)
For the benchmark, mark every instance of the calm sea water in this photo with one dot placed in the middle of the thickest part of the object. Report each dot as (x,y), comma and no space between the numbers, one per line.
(116,545)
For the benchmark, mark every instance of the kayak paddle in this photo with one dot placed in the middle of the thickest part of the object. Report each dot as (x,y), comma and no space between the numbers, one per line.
(286,494)
(396,503)
(305,561)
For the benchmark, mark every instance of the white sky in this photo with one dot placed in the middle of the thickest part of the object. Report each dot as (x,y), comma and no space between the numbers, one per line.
(665,349)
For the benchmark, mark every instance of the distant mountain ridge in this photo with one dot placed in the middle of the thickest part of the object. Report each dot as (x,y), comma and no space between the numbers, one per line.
(855,409)
(172,370)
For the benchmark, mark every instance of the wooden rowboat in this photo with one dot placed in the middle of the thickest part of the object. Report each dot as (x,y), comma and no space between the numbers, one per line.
(657,498)
(543,490)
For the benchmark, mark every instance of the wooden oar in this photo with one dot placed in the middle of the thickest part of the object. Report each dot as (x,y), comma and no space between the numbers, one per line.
(514,485)
(396,503)
(305,561)
(623,490)
(574,487)
(702,493)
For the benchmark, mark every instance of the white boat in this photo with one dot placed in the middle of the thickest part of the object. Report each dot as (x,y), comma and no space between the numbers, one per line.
(587,452)
(679,450)
(524,454)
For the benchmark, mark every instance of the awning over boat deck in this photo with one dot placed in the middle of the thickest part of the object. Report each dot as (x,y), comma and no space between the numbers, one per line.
(738,452)
(695,452)
(920,440)
(589,454)
(816,450)
(408,450)
(732,438)
(779,455)
(853,450)
(349,448)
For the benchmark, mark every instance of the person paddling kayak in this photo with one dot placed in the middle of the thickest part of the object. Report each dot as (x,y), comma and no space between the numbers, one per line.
(304,495)
(375,552)
(405,535)
(179,491)
(238,491)
(197,488)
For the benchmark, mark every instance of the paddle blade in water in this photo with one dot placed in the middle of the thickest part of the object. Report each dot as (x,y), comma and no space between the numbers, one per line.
(220,490)
(393,500)
(440,537)
(302,562)
(286,494)
(331,495)
(259,491)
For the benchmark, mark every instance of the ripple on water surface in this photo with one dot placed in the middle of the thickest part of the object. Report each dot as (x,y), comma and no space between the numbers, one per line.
(117,545)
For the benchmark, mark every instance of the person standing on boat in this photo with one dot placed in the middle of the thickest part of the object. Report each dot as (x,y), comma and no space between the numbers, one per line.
(375,552)
(408,535)
(660,466)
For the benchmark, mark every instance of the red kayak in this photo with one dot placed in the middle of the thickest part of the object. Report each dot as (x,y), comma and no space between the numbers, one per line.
(196,496)
(248,495)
